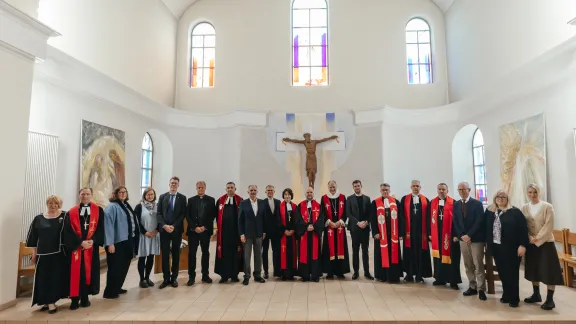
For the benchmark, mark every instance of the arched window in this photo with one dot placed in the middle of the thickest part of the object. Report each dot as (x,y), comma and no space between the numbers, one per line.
(309,43)
(479,167)
(202,56)
(418,51)
(146,166)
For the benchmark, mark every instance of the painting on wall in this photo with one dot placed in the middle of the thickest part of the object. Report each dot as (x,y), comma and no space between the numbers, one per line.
(103,160)
(523,157)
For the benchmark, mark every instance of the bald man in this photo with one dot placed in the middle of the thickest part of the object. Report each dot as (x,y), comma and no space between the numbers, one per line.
(309,227)
(335,261)
(251,213)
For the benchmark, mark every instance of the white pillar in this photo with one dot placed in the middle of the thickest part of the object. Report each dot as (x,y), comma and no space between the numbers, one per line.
(22,42)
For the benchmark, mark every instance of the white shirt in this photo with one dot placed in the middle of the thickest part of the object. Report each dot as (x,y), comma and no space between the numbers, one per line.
(415,199)
(465,200)
(254,206)
(535,208)
(289,207)
(230,201)
(173,199)
(85,210)
(309,204)
(271,203)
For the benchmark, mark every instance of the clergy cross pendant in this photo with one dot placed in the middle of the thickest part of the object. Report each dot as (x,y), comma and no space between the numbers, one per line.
(85,224)
(441,215)
(415,209)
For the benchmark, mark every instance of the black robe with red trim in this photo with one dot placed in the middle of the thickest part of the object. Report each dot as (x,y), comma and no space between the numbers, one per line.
(417,260)
(72,242)
(288,254)
(394,272)
(312,269)
(232,262)
(448,273)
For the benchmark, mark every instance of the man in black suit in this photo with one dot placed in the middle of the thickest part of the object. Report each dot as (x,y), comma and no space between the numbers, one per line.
(251,213)
(171,213)
(358,211)
(271,221)
(200,214)
(469,225)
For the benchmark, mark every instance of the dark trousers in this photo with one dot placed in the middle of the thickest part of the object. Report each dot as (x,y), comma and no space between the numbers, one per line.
(508,266)
(118,265)
(360,238)
(170,244)
(83,293)
(202,239)
(145,267)
(265,249)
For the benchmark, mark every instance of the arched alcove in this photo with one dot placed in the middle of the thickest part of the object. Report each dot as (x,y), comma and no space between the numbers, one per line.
(463,158)
(163,159)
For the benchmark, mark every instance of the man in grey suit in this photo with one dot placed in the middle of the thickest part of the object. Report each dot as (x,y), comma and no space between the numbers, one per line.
(468,221)
(358,210)
(251,218)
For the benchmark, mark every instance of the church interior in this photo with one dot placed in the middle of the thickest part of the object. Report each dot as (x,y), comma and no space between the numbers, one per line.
(98,93)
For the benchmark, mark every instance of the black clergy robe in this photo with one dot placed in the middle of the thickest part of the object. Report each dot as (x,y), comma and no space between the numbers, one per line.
(52,271)
(445,273)
(288,253)
(335,259)
(73,242)
(417,261)
(229,259)
(393,273)
(309,268)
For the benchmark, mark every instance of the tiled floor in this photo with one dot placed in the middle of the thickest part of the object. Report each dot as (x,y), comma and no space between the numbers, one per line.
(343,301)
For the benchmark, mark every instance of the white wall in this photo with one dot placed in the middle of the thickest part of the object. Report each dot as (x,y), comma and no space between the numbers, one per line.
(490,38)
(29,7)
(132,41)
(367,57)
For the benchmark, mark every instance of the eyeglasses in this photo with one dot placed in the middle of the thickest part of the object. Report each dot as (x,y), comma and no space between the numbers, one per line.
(122,192)
(501,197)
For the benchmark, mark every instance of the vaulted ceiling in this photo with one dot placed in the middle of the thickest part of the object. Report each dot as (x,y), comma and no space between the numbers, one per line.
(177,7)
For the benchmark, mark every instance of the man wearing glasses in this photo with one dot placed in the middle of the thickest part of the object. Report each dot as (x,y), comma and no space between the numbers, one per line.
(469,227)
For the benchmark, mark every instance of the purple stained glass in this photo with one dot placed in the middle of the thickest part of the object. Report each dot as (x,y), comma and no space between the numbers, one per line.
(296,52)
(324,51)
(410,79)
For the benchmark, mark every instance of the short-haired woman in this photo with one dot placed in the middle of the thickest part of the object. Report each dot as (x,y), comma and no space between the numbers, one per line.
(45,237)
(122,234)
(149,244)
(287,226)
(541,263)
(507,238)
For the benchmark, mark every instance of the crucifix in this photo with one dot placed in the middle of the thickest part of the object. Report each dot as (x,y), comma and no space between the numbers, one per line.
(86,223)
(415,208)
(441,214)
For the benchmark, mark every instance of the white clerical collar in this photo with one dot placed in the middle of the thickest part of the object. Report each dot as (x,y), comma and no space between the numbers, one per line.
(336,194)
(288,206)
(358,195)
(85,209)
(386,203)
(441,201)
(309,204)
(230,200)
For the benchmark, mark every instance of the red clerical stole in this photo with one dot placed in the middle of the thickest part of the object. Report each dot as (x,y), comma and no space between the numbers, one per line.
(221,202)
(76,259)
(424,203)
(445,231)
(381,218)
(315,237)
(283,246)
(340,232)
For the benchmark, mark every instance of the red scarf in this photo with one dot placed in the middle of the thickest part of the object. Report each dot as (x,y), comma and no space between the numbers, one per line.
(424,203)
(446,230)
(283,246)
(315,237)
(75,265)
(381,218)
(339,231)
(221,202)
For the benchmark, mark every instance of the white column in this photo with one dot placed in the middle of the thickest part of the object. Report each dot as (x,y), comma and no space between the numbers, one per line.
(22,42)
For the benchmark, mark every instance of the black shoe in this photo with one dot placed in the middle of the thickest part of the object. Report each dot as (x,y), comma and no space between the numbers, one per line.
(260,280)
(265,275)
(368,276)
(316,279)
(548,305)
(504,301)
(111,296)
(438,283)
(341,276)
(380,280)
(355,276)
(409,279)
(482,295)
(455,287)
(175,283)
(535,298)
(470,292)
(206,279)
(419,280)
(150,283)
(143,284)
(85,303)
(235,279)
(122,291)
(190,282)
(246,281)
(223,280)
(163,285)
(75,305)
(44,308)
(330,277)
(305,279)
(513,305)
(53,311)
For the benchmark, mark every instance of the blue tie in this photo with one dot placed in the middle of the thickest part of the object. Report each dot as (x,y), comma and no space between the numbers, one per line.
(171,209)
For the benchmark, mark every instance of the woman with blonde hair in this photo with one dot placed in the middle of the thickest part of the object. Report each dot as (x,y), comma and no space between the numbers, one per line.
(149,245)
(542,264)
(507,239)
(45,237)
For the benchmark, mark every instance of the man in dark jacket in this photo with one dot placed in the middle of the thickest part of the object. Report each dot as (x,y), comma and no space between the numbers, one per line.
(251,214)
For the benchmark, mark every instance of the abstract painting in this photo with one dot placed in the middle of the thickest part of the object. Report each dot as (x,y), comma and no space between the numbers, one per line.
(523,157)
(103,160)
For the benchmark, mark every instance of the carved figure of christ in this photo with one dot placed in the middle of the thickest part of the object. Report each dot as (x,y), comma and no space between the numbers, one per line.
(311,161)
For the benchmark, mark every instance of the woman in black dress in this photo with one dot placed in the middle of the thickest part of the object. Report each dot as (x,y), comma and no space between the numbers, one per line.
(288,240)
(507,239)
(45,236)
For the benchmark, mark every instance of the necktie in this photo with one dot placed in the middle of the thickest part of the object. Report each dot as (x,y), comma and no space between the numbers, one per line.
(171,209)
(463,208)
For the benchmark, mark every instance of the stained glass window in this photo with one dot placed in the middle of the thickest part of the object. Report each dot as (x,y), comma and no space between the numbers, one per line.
(418,52)
(309,43)
(202,56)
(146,165)
(479,167)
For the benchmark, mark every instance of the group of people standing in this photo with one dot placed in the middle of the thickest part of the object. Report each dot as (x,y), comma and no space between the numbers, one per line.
(414,238)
